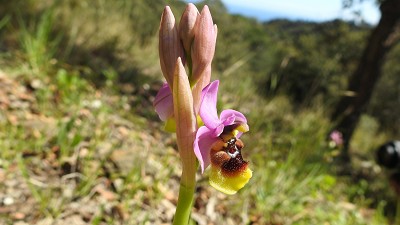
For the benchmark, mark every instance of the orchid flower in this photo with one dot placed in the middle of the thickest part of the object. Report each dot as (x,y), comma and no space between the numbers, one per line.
(217,143)
(187,99)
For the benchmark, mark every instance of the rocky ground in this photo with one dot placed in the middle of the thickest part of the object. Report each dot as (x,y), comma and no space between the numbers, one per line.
(121,179)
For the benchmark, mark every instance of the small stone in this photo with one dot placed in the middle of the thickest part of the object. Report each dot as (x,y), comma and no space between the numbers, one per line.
(8,200)
(119,184)
(96,104)
(36,84)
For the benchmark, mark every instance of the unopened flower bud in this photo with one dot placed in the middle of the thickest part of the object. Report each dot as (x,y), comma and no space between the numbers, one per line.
(203,44)
(170,47)
(187,26)
(184,117)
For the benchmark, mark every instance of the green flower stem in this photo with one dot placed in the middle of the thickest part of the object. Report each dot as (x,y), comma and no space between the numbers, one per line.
(397,216)
(186,191)
(185,203)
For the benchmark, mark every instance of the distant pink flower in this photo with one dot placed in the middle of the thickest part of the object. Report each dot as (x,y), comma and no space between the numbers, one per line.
(336,138)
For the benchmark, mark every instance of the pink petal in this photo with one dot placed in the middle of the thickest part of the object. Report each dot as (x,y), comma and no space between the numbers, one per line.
(163,103)
(228,114)
(208,107)
(218,130)
(202,146)
(230,117)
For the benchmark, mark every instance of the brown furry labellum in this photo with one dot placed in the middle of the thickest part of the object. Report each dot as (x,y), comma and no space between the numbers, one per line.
(227,156)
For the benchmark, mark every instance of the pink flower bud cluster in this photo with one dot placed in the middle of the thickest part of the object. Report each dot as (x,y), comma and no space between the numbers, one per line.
(193,40)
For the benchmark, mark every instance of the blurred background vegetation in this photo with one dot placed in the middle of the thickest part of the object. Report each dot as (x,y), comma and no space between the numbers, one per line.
(80,142)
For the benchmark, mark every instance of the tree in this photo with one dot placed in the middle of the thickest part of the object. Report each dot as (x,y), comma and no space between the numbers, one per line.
(363,80)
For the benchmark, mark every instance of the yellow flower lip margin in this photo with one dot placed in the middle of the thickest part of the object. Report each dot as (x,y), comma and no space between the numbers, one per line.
(229,184)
